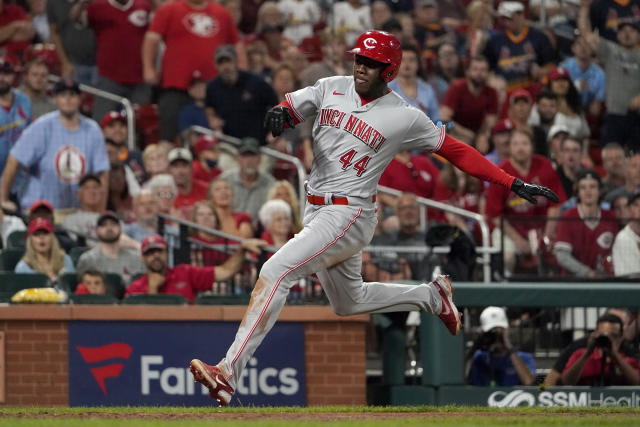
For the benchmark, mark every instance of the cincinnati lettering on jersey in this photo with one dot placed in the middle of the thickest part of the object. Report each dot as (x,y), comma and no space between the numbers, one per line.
(353,125)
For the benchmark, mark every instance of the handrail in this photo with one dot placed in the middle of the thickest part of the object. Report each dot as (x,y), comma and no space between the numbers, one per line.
(484,228)
(131,123)
(302,171)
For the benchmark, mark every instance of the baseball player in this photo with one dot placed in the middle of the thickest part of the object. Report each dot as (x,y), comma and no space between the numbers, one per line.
(359,125)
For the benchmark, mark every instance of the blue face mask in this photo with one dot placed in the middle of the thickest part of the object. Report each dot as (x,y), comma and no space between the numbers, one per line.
(211,163)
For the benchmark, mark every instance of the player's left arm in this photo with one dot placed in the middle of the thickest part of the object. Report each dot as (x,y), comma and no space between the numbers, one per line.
(472,162)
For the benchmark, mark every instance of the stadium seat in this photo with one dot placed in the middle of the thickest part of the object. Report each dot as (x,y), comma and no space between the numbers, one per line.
(76,252)
(9,258)
(93,299)
(11,282)
(159,299)
(223,299)
(68,282)
(17,240)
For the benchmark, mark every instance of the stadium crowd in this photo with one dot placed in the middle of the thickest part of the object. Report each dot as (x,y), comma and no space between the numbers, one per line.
(548,90)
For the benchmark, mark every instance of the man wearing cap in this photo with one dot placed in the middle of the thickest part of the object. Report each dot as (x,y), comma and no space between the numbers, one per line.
(191,31)
(520,107)
(585,233)
(608,16)
(250,186)
(626,247)
(114,129)
(621,63)
(237,100)
(189,189)
(58,150)
(519,53)
(35,83)
(205,165)
(500,138)
(183,279)
(193,114)
(110,256)
(83,221)
(494,360)
(15,114)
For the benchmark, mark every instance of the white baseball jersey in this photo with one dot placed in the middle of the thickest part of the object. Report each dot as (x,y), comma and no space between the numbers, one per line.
(354,143)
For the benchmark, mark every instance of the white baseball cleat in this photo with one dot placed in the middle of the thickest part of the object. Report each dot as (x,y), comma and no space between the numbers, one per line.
(213,379)
(449,314)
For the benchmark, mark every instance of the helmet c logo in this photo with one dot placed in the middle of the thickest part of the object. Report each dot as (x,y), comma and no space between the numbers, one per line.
(370,43)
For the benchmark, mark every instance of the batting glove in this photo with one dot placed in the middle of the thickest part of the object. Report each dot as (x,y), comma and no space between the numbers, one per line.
(528,191)
(275,119)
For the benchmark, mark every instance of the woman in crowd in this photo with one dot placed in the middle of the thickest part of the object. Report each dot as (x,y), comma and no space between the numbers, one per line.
(119,199)
(283,190)
(235,223)
(155,159)
(43,254)
(275,216)
(204,214)
(570,112)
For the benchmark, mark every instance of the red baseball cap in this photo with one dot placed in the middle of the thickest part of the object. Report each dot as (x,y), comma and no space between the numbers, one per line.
(111,116)
(204,142)
(504,125)
(152,241)
(520,94)
(39,203)
(559,73)
(38,224)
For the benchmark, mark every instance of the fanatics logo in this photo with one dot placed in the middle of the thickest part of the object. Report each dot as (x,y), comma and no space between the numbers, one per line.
(370,43)
(201,25)
(91,355)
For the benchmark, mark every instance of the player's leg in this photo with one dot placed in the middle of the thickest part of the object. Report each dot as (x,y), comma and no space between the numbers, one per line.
(330,236)
(348,294)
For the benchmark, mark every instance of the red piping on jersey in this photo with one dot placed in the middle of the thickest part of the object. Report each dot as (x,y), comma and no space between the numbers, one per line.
(288,103)
(275,288)
(469,160)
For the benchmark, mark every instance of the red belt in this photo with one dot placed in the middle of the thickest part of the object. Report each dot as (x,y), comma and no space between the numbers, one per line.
(335,200)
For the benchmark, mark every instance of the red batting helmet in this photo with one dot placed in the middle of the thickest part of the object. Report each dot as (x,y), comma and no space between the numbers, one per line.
(382,47)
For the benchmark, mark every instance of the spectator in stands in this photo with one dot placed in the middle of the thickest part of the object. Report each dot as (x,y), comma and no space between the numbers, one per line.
(602,363)
(300,18)
(494,361)
(283,190)
(249,185)
(276,218)
(613,164)
(15,114)
(570,111)
(237,100)
(43,254)
(34,85)
(43,209)
(428,30)
(555,136)
(119,198)
(519,53)
(164,190)
(544,112)
(182,279)
(457,188)
(145,208)
(380,13)
(626,247)
(569,164)
(91,196)
(500,140)
(621,63)
(383,265)
(115,130)
(585,233)
(110,256)
(16,29)
(191,31)
(619,207)
(586,75)
(155,158)
(631,178)
(410,233)
(75,44)
(609,16)
(193,113)
(204,214)
(231,222)
(354,16)
(447,68)
(480,15)
(472,105)
(91,282)
(189,190)
(412,173)
(520,107)
(38,17)
(58,149)
(205,166)
(411,87)
(511,212)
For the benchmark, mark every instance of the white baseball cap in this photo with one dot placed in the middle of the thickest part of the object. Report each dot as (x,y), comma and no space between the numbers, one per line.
(508,8)
(180,154)
(493,317)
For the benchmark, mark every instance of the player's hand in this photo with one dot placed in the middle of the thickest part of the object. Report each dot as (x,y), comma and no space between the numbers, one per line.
(275,119)
(528,191)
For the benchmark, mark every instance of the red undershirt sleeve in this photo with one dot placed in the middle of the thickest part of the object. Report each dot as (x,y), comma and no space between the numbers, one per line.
(472,162)
(293,116)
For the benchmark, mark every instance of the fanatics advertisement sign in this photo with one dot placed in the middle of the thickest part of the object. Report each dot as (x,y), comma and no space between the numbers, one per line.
(147,363)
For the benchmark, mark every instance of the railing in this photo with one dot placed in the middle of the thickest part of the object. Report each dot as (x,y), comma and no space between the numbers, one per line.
(131,122)
(302,171)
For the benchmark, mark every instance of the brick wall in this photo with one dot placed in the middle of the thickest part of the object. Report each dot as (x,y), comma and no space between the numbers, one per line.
(335,363)
(36,362)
